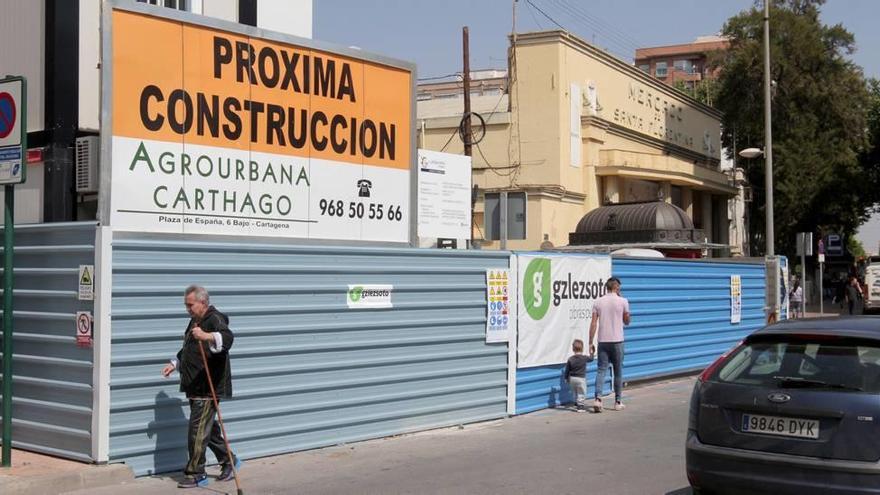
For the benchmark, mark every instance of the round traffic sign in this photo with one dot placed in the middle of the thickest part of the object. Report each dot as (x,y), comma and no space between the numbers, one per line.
(7,114)
(83,325)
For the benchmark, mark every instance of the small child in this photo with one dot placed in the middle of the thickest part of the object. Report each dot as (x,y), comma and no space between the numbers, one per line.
(576,373)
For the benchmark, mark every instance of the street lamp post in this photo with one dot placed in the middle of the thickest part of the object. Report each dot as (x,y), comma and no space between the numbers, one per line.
(768,138)
(768,141)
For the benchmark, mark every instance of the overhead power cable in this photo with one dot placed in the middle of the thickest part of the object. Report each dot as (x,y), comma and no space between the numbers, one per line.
(546,15)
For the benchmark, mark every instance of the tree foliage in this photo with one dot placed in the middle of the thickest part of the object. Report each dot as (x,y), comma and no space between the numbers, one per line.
(855,247)
(704,91)
(823,178)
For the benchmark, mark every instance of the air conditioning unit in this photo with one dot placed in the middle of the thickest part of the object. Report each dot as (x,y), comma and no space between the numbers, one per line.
(88,148)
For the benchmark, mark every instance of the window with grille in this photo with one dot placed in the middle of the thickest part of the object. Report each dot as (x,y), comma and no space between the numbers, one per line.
(171,4)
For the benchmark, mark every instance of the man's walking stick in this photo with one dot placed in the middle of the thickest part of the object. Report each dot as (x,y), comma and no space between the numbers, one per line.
(220,419)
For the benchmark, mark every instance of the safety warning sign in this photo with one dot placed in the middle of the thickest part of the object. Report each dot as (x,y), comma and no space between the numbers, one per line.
(498,317)
(86,282)
(83,328)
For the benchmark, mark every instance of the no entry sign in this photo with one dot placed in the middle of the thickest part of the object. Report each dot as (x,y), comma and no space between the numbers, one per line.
(13,130)
(7,114)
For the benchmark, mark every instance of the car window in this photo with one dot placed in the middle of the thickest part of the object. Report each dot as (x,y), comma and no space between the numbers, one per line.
(822,364)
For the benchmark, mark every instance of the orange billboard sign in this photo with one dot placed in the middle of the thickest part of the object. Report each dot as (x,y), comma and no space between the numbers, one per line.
(221,132)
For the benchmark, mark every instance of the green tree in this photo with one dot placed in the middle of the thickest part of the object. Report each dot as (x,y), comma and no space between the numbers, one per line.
(705,91)
(870,159)
(855,247)
(820,108)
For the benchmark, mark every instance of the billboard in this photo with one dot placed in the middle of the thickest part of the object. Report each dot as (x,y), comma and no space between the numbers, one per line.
(556,300)
(214,130)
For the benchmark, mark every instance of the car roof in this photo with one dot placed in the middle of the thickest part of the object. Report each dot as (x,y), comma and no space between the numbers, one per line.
(865,327)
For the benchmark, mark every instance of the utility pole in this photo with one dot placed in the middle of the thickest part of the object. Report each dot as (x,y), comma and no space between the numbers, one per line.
(768,137)
(511,59)
(466,82)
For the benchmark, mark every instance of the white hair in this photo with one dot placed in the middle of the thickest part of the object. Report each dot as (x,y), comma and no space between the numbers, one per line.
(200,292)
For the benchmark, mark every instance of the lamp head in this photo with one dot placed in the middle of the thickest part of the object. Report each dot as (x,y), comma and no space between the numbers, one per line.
(751,152)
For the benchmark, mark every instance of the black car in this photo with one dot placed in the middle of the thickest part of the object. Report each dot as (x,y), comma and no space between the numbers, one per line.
(794,408)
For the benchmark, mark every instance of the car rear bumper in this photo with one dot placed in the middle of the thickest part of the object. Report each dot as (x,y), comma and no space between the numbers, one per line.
(729,470)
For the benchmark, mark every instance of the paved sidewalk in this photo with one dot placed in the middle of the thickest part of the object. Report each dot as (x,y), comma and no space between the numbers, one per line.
(42,474)
(637,451)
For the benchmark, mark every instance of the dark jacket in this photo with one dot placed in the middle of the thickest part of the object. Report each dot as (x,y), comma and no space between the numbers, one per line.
(576,366)
(193,379)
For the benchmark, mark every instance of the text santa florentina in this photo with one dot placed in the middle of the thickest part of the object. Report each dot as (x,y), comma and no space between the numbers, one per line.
(233,118)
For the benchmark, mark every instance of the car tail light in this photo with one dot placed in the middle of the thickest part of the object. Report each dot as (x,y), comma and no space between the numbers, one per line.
(712,367)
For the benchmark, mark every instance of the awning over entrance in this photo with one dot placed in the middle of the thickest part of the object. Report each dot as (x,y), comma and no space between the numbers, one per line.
(637,223)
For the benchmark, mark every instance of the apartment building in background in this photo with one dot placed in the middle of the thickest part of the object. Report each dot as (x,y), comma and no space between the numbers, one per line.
(687,63)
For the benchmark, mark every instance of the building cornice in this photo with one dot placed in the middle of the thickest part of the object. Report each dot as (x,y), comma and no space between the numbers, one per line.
(654,174)
(699,159)
(566,38)
(551,191)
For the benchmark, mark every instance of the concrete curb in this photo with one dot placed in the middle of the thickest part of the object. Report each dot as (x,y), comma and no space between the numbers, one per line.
(67,481)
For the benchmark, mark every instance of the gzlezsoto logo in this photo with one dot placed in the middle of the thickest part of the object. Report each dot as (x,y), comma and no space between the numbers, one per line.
(536,288)
(355,293)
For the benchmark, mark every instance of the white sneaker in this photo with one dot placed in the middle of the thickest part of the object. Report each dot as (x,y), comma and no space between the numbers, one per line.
(597,405)
(619,406)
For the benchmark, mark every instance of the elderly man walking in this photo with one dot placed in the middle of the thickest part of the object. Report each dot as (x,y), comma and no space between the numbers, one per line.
(610,314)
(207,327)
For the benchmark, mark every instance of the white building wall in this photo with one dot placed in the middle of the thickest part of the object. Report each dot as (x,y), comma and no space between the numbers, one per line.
(22,46)
(89,65)
(28,197)
(221,9)
(292,17)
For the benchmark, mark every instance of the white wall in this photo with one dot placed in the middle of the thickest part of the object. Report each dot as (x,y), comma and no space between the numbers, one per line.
(292,17)
(221,9)
(22,46)
(28,197)
(89,58)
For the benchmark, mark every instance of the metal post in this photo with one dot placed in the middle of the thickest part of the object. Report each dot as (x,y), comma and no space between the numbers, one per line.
(466,88)
(8,242)
(804,273)
(502,218)
(768,137)
(821,289)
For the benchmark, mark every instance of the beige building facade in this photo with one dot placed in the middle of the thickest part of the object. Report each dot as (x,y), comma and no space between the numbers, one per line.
(579,128)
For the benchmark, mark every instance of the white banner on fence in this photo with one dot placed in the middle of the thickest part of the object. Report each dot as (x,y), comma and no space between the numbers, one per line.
(735,299)
(498,314)
(784,288)
(556,296)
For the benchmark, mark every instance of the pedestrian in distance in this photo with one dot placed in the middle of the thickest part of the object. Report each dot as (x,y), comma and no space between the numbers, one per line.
(209,328)
(797,299)
(575,374)
(610,314)
(853,295)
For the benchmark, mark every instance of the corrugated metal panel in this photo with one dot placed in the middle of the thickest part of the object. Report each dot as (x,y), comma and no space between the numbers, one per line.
(308,371)
(681,322)
(52,377)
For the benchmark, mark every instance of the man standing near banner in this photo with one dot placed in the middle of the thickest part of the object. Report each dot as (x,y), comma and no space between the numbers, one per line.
(610,314)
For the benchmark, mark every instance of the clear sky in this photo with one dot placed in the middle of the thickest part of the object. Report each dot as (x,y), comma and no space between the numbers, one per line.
(428,32)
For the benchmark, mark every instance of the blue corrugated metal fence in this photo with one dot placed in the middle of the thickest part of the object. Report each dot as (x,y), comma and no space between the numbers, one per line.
(52,377)
(680,322)
(308,371)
